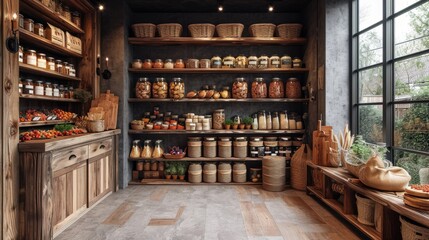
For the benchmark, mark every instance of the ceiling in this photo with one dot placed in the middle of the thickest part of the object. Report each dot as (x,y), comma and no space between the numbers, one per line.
(211,5)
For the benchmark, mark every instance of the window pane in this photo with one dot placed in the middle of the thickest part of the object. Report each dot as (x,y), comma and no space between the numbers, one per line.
(371,47)
(412,31)
(412,78)
(401,4)
(371,85)
(370,123)
(416,165)
(412,126)
(370,12)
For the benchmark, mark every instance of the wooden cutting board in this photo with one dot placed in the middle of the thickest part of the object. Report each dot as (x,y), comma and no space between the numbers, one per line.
(109,103)
(416,202)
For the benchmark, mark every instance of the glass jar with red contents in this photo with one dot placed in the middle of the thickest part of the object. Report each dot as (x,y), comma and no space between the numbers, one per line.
(158,63)
(179,63)
(147,63)
(276,89)
(293,88)
(259,88)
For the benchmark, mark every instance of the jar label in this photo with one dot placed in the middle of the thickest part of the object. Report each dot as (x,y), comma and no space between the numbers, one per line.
(48,91)
(41,32)
(217,63)
(30,91)
(51,66)
(275,62)
(252,63)
(39,90)
(41,63)
(29,87)
(32,60)
(286,61)
(228,63)
(56,92)
(263,62)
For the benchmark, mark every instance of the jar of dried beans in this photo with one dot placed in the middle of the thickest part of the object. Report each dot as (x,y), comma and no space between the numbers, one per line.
(239,88)
(218,118)
(177,88)
(293,88)
(143,88)
(276,89)
(259,88)
(159,88)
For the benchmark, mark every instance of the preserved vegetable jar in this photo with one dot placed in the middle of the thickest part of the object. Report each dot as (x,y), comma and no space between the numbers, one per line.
(66,68)
(263,61)
(76,19)
(177,88)
(28,87)
(218,118)
(41,60)
(59,66)
(29,25)
(216,62)
(147,64)
(241,61)
(276,89)
(293,88)
(39,88)
(30,57)
(274,62)
(168,64)
(160,88)
(259,88)
(239,88)
(179,63)
(228,61)
(286,62)
(143,88)
(50,63)
(137,63)
(158,63)
(252,62)
(39,30)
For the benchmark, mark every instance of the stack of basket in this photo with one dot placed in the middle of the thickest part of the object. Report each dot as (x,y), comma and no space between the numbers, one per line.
(273,173)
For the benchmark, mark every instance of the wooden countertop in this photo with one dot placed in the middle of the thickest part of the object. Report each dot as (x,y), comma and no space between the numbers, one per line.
(47,145)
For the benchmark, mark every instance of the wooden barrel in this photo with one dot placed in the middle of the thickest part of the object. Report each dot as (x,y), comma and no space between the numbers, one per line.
(239,173)
(195,173)
(273,173)
(209,173)
(224,173)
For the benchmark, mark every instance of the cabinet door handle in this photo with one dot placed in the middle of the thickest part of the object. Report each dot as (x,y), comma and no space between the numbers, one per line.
(102,146)
(72,157)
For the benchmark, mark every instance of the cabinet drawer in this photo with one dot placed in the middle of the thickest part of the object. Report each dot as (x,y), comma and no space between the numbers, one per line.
(63,159)
(100,147)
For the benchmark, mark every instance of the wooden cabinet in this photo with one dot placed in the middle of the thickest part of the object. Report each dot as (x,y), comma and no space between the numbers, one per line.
(99,177)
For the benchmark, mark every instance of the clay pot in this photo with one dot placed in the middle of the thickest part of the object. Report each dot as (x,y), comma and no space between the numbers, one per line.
(168,177)
(235,126)
(174,177)
(242,126)
(227,127)
(182,177)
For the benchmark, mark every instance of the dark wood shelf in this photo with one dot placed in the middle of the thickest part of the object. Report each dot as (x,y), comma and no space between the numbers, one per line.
(219,70)
(43,72)
(201,159)
(36,9)
(183,182)
(56,99)
(216,132)
(42,123)
(251,100)
(216,41)
(41,42)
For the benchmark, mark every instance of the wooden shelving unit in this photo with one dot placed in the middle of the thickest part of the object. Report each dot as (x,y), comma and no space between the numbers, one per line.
(42,123)
(43,72)
(217,132)
(57,99)
(179,182)
(229,100)
(201,159)
(216,41)
(219,70)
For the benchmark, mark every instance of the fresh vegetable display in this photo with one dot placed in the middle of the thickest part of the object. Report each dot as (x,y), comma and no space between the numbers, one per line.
(63,115)
(421,187)
(45,115)
(49,134)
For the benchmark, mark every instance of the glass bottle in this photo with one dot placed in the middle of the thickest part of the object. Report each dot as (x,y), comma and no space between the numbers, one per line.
(137,63)
(293,88)
(239,88)
(284,120)
(66,69)
(218,118)
(72,71)
(135,149)
(299,124)
(262,120)
(147,149)
(28,87)
(61,89)
(255,122)
(143,88)
(269,121)
(160,88)
(56,90)
(59,66)
(292,122)
(50,65)
(158,63)
(71,92)
(157,150)
(168,64)
(147,63)
(39,88)
(276,122)
(66,92)
(179,63)
(30,57)
(41,60)
(48,89)
(177,89)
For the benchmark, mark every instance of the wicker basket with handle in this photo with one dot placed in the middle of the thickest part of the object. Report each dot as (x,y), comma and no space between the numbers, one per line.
(411,231)
(201,30)
(265,30)
(144,30)
(289,30)
(229,30)
(365,207)
(169,29)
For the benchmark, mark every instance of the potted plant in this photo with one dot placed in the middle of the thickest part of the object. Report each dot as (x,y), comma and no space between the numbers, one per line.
(181,170)
(228,123)
(173,171)
(167,173)
(248,122)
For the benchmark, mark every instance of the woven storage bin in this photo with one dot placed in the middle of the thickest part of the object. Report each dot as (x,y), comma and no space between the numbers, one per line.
(144,30)
(412,231)
(195,173)
(209,173)
(202,30)
(209,149)
(169,29)
(273,173)
(224,149)
(289,30)
(194,149)
(239,171)
(224,173)
(264,30)
(365,208)
(229,30)
(240,149)
(378,212)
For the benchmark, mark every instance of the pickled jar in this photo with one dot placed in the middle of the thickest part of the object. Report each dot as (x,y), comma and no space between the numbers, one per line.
(61,89)
(259,88)
(76,19)
(59,66)
(228,62)
(262,120)
(66,13)
(286,62)
(276,89)
(28,87)
(137,63)
(241,61)
(143,88)
(252,62)
(263,61)
(30,57)
(274,62)
(41,60)
(55,90)
(71,92)
(160,88)
(168,64)
(21,54)
(20,86)
(179,63)
(72,71)
(135,149)
(293,88)
(218,118)
(239,88)
(177,88)
(192,63)
(66,68)
(39,30)
(158,63)
(296,62)
(147,64)
(50,63)
(147,149)
(225,92)
(29,24)
(66,92)
(216,62)
(39,88)
(157,150)
(204,63)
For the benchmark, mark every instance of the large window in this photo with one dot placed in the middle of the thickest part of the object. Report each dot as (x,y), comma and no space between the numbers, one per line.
(390,79)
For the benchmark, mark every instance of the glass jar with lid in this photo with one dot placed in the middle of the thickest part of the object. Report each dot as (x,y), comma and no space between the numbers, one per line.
(71,92)
(179,63)
(59,66)
(29,24)
(216,62)
(160,88)
(218,119)
(259,88)
(177,89)
(137,63)
(252,62)
(147,149)
(28,87)
(276,121)
(263,61)
(241,61)
(21,54)
(66,13)
(239,88)
(41,60)
(269,121)
(192,63)
(286,62)
(56,90)
(30,57)
(66,69)
(50,63)
(158,63)
(135,149)
(168,64)
(157,150)
(262,120)
(20,86)
(225,92)
(228,61)
(284,120)
(66,92)
(204,63)
(147,64)
(72,71)
(76,19)
(256,147)
(61,88)
(39,88)
(274,62)
(39,29)
(276,89)
(143,88)
(48,89)
(296,62)
(293,88)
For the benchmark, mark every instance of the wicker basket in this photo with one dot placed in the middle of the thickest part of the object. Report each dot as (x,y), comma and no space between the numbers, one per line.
(224,149)
(169,29)
(229,30)
(195,173)
(366,209)
(209,173)
(239,171)
(224,173)
(209,149)
(202,30)
(144,30)
(289,30)
(317,176)
(194,149)
(411,231)
(240,149)
(264,30)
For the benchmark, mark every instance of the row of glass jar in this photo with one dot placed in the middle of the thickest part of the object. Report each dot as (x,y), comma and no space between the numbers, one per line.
(160,88)
(31,57)
(40,88)
(63,10)
(147,151)
(227,62)
(259,88)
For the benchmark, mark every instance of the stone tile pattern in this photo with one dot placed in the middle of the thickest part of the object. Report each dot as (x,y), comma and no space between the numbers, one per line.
(208,212)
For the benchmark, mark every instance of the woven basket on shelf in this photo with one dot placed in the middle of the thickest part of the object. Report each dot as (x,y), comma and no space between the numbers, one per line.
(411,231)
(209,173)
(265,30)
(289,30)
(144,30)
(202,30)
(169,29)
(195,173)
(229,30)
(224,173)
(366,209)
